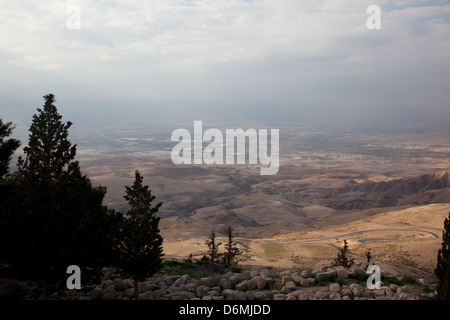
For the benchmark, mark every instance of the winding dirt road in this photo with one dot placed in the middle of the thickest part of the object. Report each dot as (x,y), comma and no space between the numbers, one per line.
(434,235)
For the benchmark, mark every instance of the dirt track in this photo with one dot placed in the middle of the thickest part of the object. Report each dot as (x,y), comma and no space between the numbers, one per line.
(434,235)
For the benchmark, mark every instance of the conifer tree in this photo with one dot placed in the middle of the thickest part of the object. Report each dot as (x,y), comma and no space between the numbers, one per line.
(8,191)
(213,247)
(342,259)
(63,221)
(231,250)
(442,270)
(7,146)
(140,243)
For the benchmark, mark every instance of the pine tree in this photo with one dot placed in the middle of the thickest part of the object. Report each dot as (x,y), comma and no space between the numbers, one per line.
(213,247)
(368,257)
(62,219)
(342,259)
(140,242)
(8,192)
(7,146)
(442,270)
(232,252)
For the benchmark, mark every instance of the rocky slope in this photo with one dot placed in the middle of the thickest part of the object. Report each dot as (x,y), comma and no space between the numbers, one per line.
(262,284)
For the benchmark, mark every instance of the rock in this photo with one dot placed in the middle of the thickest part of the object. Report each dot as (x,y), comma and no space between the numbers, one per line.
(225,284)
(334,296)
(128,283)
(234,279)
(335,287)
(325,275)
(290,296)
(242,286)
(322,294)
(279,296)
(213,293)
(285,279)
(394,287)
(306,274)
(146,286)
(261,283)
(181,281)
(253,273)
(244,275)
(231,294)
(303,296)
(342,274)
(304,282)
(250,295)
(346,292)
(251,284)
(296,278)
(379,293)
(290,285)
(368,294)
(359,271)
(285,273)
(207,281)
(389,292)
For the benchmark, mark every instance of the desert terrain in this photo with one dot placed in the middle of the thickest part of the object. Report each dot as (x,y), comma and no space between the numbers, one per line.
(387,186)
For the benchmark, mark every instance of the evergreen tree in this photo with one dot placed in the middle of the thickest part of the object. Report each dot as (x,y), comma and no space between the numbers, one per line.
(7,146)
(368,257)
(140,243)
(232,252)
(61,218)
(213,247)
(342,259)
(442,270)
(8,191)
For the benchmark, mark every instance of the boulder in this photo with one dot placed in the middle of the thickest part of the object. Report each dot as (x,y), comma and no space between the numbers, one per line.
(322,294)
(242,286)
(225,284)
(296,278)
(290,285)
(306,274)
(231,294)
(325,275)
(285,279)
(261,283)
(335,287)
(343,273)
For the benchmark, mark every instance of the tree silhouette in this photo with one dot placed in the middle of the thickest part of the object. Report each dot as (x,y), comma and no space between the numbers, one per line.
(140,243)
(213,247)
(442,270)
(342,259)
(232,252)
(8,192)
(7,146)
(61,217)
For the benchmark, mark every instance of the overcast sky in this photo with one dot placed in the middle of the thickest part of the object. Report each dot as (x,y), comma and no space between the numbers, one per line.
(290,60)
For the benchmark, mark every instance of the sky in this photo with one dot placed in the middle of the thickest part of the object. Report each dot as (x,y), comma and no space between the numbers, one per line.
(256,60)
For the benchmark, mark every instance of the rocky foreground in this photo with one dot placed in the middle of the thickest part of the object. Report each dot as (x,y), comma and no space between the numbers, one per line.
(264,284)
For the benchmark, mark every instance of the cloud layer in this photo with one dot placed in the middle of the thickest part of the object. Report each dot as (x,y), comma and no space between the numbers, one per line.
(260,59)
